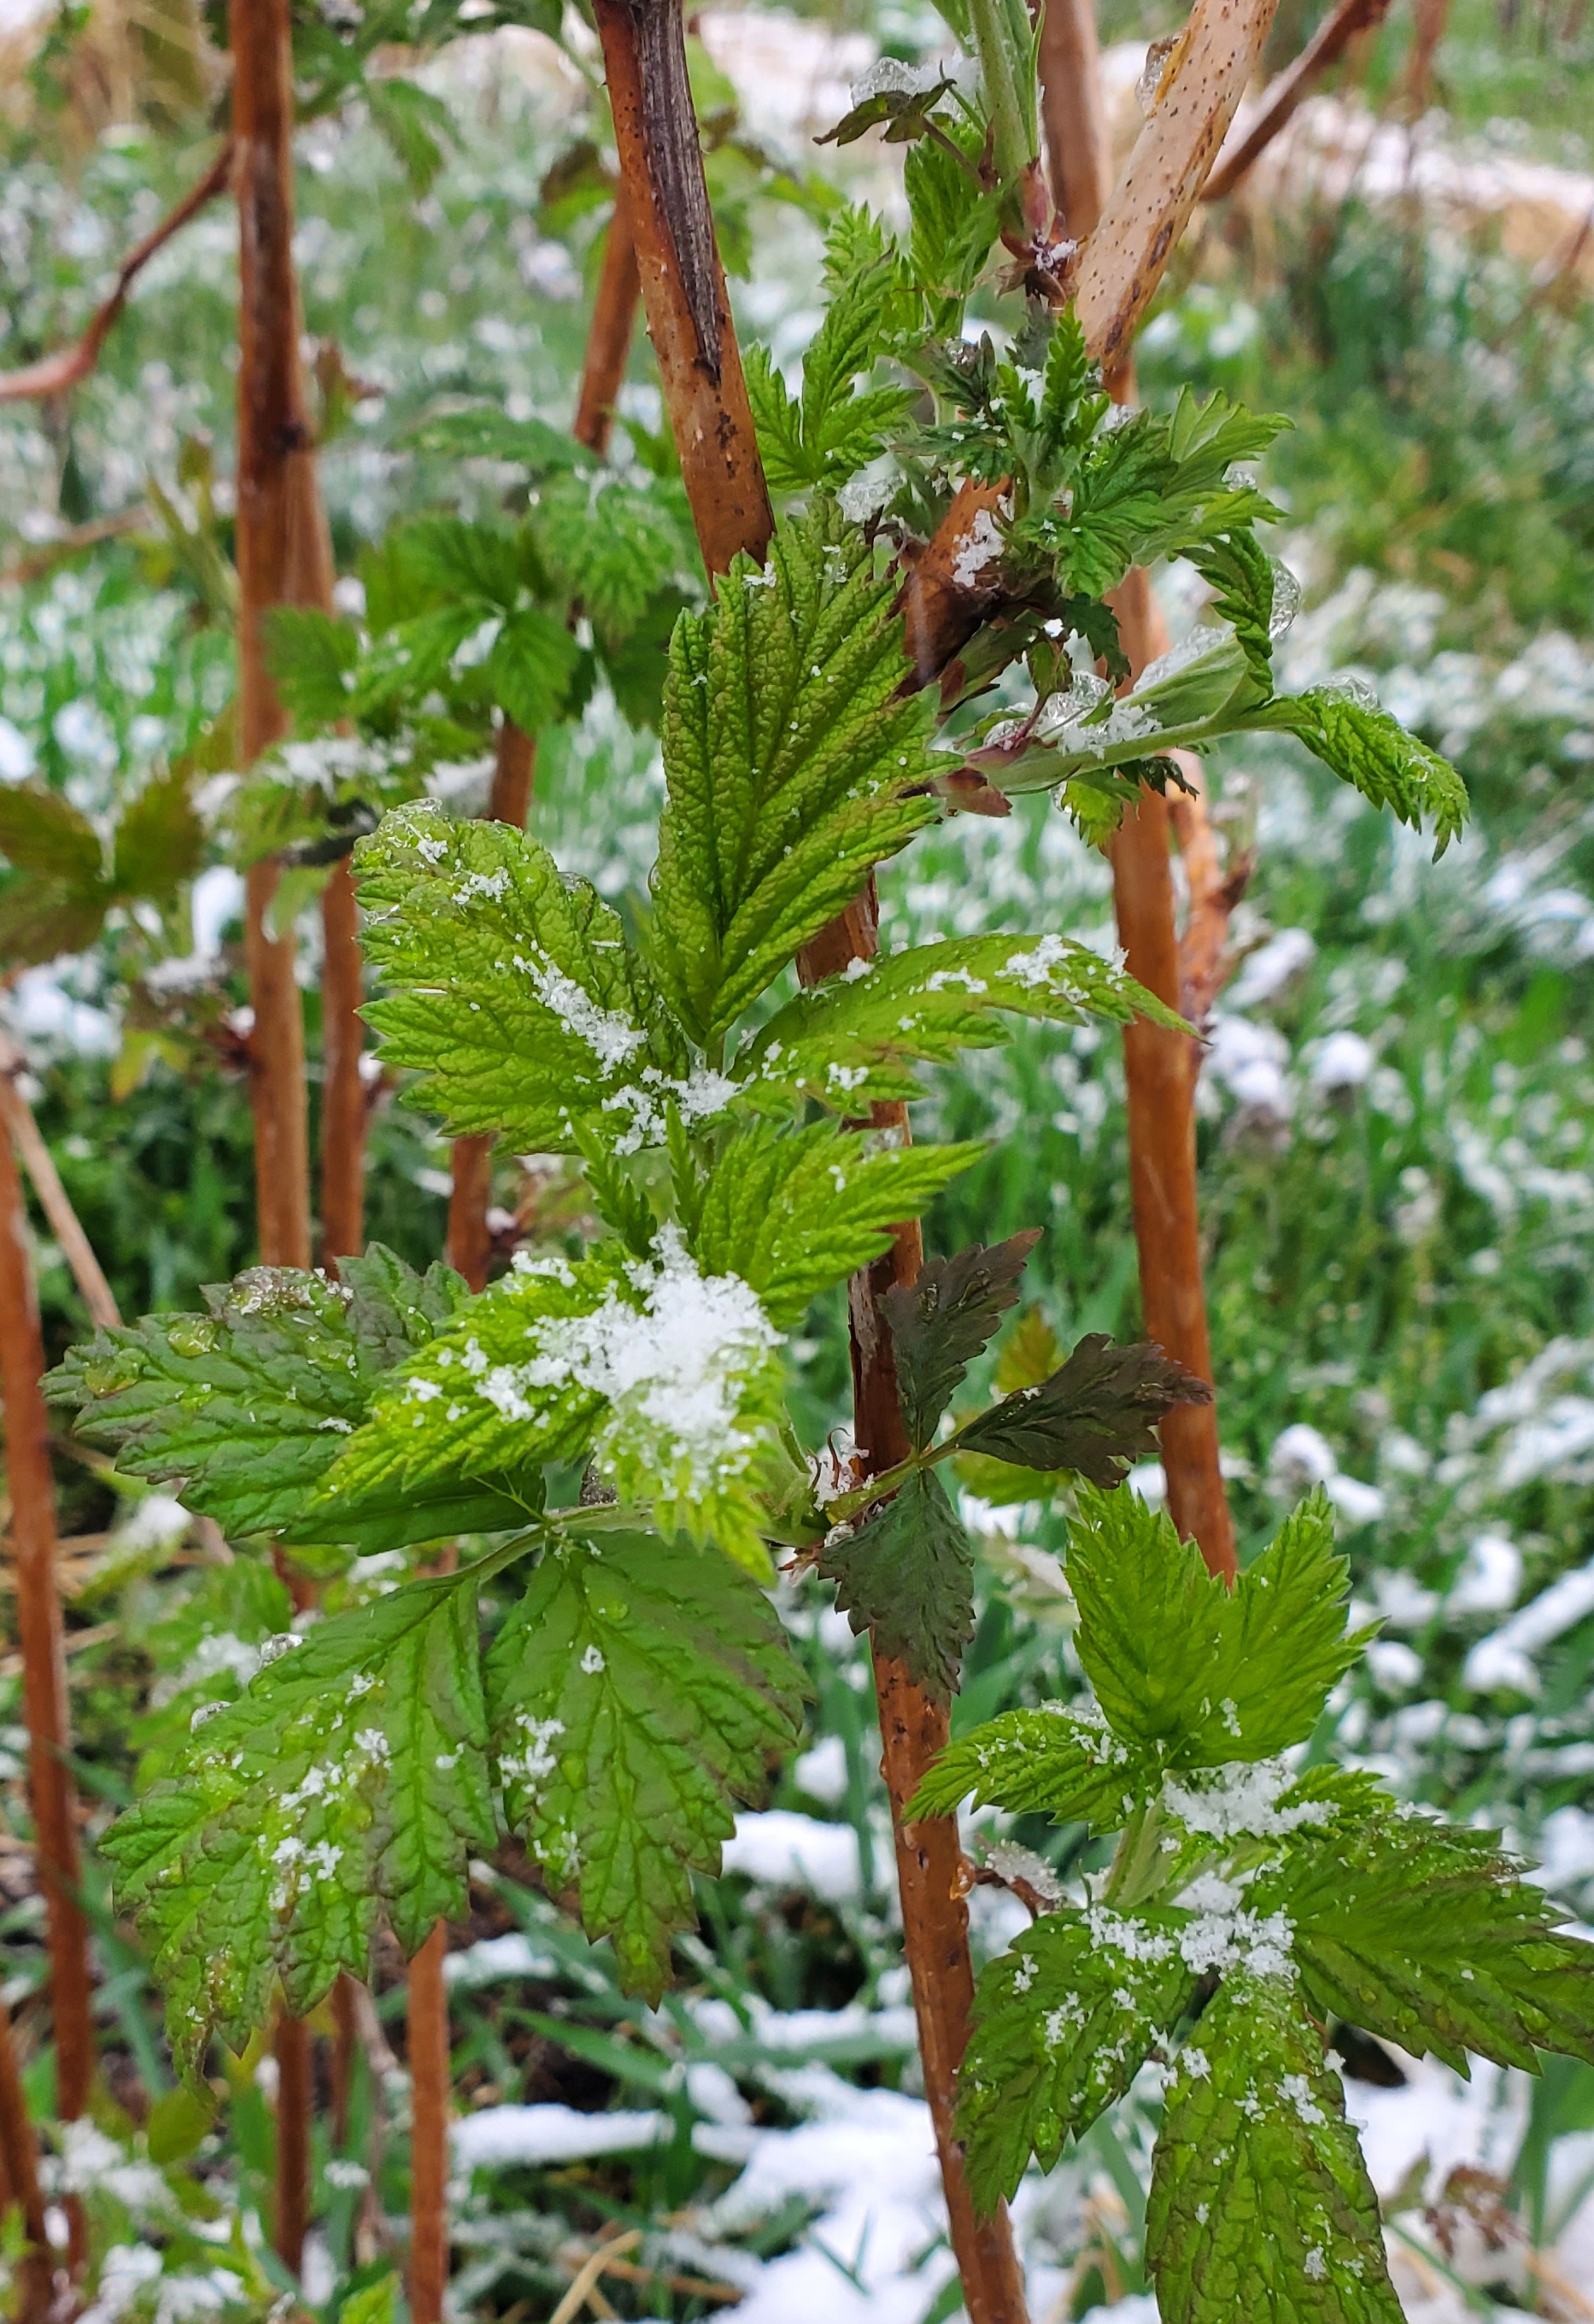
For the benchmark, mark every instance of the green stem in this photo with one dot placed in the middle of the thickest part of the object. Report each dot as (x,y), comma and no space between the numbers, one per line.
(1005,45)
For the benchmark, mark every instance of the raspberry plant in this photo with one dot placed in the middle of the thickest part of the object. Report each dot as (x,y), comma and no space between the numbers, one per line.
(607,1426)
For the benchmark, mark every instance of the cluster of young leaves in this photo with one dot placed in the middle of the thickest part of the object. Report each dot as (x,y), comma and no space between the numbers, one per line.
(1086,494)
(468,622)
(63,882)
(1249,1901)
(905,1571)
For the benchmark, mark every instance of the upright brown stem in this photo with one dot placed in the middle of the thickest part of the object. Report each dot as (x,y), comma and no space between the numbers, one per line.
(1161,1099)
(1159,1082)
(610,332)
(280,562)
(706,396)
(344,1114)
(1073,119)
(54,1200)
(429,2137)
(44,1669)
(683,282)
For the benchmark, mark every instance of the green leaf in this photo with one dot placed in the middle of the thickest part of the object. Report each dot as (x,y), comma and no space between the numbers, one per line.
(792,767)
(45,834)
(1053,1761)
(668,1379)
(1150,1617)
(484,431)
(793,1212)
(531,669)
(1364,745)
(159,840)
(1285,1645)
(843,1042)
(1096,1415)
(1064,2021)
(903,114)
(242,1411)
(611,546)
(1428,1936)
(416,124)
(352,1774)
(907,1576)
(954,221)
(945,1318)
(511,991)
(635,1695)
(311,657)
(1157,486)
(832,431)
(41,918)
(1260,2203)
(1177,1659)
(1244,581)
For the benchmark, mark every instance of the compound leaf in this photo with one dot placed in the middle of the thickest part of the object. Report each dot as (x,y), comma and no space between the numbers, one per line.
(635,1694)
(159,840)
(907,1576)
(1150,1617)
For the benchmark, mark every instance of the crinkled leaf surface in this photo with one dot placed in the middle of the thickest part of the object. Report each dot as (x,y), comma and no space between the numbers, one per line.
(1429,1937)
(944,1318)
(635,1695)
(512,990)
(1064,2022)
(1261,2206)
(1364,745)
(907,1576)
(793,1212)
(241,1412)
(1096,1415)
(352,1773)
(849,1041)
(791,765)
(1057,1761)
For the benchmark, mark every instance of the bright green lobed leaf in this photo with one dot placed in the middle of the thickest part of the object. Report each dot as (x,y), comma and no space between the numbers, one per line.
(636,1695)
(1261,2206)
(795,1213)
(667,1376)
(352,1774)
(1179,1662)
(1427,1936)
(1064,2021)
(1364,745)
(792,767)
(1065,1764)
(905,1575)
(845,1042)
(512,992)
(159,840)
(833,431)
(241,1412)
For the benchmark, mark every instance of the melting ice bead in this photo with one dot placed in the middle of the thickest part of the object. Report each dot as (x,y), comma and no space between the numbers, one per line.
(1286,601)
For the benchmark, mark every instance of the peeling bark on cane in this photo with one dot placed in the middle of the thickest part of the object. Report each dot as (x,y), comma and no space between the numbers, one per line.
(683,282)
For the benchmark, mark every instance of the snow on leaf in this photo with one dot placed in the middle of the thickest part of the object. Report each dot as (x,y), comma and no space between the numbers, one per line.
(351,1775)
(1260,2203)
